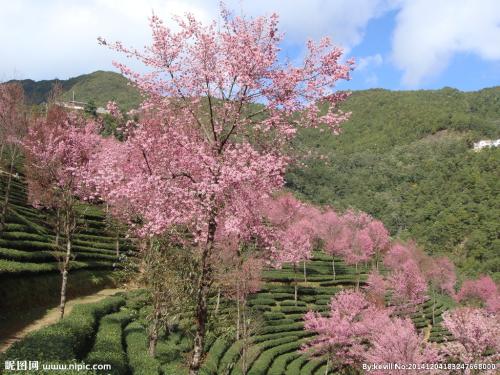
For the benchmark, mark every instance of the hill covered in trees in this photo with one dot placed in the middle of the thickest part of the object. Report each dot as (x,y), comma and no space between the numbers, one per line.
(407,159)
(99,86)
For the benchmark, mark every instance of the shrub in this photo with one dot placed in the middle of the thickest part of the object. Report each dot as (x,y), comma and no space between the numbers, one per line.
(295,366)
(214,356)
(137,346)
(263,363)
(230,357)
(108,347)
(281,362)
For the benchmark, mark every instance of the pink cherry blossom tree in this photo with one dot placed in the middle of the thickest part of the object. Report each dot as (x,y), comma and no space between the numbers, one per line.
(440,275)
(409,287)
(476,336)
(399,342)
(56,148)
(345,334)
(482,291)
(294,231)
(220,107)
(330,227)
(376,288)
(354,241)
(380,238)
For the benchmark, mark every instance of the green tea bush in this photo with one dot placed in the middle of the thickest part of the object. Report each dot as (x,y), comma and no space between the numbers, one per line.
(108,347)
(137,351)
(68,339)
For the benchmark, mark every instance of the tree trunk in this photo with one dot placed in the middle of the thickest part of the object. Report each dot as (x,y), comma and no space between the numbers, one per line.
(333,268)
(65,272)
(117,244)
(245,336)
(7,191)
(433,307)
(305,272)
(218,302)
(202,296)
(237,310)
(357,278)
(58,227)
(153,333)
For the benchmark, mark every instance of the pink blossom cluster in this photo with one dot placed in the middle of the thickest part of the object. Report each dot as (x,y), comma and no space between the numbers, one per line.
(57,149)
(358,331)
(476,336)
(483,290)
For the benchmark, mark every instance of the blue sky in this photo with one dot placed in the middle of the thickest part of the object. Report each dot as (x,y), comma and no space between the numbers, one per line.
(398,44)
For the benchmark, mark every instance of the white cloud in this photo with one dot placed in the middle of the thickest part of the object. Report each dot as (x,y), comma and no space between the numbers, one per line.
(429,33)
(369,61)
(45,39)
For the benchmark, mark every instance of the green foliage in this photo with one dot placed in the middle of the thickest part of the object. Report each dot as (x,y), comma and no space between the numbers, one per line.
(99,86)
(265,360)
(406,158)
(68,339)
(137,344)
(91,108)
(108,347)
(214,356)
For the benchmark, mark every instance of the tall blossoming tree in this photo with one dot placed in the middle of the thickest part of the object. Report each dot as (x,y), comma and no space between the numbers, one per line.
(220,107)
(56,148)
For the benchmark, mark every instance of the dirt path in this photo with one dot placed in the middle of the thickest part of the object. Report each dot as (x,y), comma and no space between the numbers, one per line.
(52,316)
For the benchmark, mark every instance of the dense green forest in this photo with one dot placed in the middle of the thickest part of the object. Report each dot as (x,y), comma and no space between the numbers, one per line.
(99,87)
(407,159)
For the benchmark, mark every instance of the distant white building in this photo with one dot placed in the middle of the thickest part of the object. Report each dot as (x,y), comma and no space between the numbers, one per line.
(78,106)
(486,143)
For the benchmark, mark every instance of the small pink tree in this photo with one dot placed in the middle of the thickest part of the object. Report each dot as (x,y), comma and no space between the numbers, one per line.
(330,227)
(400,343)
(440,275)
(56,148)
(476,336)
(294,232)
(354,241)
(481,291)
(409,287)
(380,238)
(346,333)
(376,288)
(241,278)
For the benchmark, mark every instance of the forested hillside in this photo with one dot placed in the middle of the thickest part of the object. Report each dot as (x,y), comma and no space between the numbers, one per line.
(407,159)
(99,87)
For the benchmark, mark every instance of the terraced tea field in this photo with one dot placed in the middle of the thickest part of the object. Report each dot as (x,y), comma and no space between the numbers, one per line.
(115,330)
(29,266)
